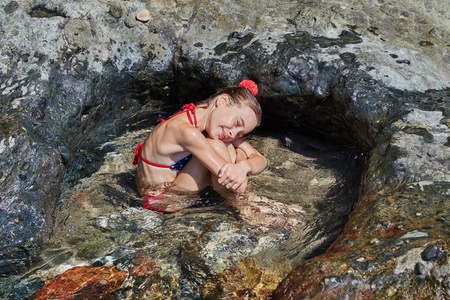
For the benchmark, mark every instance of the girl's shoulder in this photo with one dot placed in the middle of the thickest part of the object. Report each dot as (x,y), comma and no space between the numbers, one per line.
(182,130)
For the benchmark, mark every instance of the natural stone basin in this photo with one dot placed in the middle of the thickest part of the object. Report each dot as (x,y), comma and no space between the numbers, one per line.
(212,248)
(375,74)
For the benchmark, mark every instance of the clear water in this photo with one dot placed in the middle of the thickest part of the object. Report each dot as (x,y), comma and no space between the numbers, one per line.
(294,210)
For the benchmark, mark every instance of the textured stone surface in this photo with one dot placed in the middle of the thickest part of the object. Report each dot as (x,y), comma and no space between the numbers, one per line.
(83,283)
(396,241)
(375,74)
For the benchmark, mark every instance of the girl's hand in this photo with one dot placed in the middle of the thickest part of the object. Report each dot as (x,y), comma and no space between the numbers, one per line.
(234,176)
(243,188)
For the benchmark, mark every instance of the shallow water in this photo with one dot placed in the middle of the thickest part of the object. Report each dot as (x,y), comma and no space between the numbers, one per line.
(216,248)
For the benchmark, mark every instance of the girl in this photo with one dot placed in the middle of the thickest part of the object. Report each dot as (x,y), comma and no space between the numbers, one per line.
(201,145)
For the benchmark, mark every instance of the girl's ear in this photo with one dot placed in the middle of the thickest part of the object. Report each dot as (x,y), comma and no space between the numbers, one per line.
(223,99)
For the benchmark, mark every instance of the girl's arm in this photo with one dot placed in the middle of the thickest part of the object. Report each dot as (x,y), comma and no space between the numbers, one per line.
(193,141)
(255,160)
(233,176)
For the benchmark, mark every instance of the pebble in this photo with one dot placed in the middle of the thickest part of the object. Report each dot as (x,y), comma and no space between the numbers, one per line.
(432,252)
(391,291)
(441,272)
(115,10)
(419,268)
(11,7)
(414,234)
(143,16)
(130,22)
(429,252)
(332,282)
(361,259)
(242,33)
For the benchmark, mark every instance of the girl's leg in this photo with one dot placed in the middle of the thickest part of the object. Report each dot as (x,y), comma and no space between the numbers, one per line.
(228,153)
(195,176)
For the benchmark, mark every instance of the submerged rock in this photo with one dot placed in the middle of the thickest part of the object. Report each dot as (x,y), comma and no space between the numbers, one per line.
(99,217)
(83,283)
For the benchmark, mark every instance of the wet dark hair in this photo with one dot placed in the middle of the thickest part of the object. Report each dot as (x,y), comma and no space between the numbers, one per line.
(238,96)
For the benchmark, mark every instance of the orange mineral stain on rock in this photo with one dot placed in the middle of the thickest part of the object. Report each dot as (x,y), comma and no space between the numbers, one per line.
(75,197)
(83,283)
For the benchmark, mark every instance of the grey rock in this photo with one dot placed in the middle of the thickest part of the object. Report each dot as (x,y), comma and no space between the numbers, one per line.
(419,268)
(78,33)
(322,66)
(414,235)
(11,7)
(441,272)
(430,252)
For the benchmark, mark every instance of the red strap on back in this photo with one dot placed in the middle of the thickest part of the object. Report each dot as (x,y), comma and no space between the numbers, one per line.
(137,154)
(187,108)
(193,120)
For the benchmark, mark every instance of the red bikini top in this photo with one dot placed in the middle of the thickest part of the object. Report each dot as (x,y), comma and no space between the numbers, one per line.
(188,109)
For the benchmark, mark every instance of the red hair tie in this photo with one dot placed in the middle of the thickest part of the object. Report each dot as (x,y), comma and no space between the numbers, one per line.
(250,85)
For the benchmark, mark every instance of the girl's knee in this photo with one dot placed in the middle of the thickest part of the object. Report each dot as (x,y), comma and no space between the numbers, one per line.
(223,149)
(217,144)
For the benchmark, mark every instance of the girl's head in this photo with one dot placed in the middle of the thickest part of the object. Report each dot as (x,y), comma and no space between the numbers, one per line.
(237,96)
(234,112)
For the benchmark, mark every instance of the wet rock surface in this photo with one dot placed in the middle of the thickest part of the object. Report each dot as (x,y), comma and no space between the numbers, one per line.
(83,283)
(396,241)
(371,74)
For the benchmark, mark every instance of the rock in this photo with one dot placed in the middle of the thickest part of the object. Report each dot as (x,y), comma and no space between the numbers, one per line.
(376,76)
(143,266)
(414,235)
(130,22)
(83,283)
(11,7)
(78,33)
(143,16)
(115,10)
(419,269)
(242,33)
(248,278)
(441,271)
(432,252)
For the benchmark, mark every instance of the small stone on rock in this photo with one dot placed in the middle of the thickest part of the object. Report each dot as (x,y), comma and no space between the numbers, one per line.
(332,282)
(242,33)
(143,16)
(115,10)
(419,268)
(130,22)
(432,252)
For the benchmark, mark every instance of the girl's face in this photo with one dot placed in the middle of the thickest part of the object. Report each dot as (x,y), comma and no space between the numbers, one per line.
(228,122)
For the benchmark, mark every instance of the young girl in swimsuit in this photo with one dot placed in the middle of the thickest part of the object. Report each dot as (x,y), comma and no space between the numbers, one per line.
(203,144)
